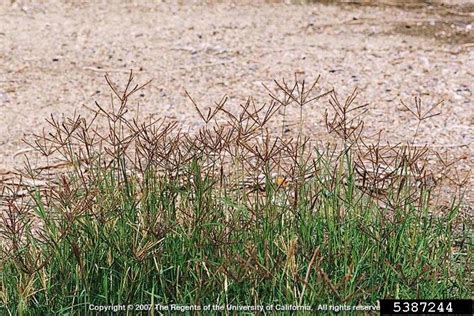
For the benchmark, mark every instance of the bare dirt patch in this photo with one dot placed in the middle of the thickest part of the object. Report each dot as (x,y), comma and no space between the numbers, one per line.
(452,24)
(447,21)
(453,32)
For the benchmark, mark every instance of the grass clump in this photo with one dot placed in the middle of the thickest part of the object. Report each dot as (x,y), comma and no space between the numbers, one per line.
(143,213)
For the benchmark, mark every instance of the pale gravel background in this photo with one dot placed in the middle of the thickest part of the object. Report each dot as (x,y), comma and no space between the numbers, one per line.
(48,51)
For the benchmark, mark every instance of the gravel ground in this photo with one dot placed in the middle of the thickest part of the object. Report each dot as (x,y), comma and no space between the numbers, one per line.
(53,57)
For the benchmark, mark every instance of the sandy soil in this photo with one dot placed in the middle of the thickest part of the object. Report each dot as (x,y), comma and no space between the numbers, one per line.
(53,58)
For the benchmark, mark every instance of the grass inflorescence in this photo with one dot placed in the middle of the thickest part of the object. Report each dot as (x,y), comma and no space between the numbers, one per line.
(140,212)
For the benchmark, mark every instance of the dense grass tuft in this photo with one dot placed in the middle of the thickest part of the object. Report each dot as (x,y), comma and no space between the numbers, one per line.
(145,214)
